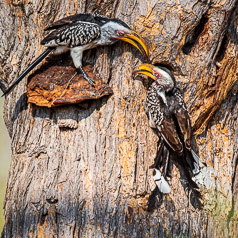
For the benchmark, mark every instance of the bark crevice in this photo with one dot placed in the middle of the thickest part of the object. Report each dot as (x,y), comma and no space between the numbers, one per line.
(193,36)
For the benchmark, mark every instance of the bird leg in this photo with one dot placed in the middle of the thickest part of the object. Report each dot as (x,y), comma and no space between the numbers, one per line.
(77,56)
(86,76)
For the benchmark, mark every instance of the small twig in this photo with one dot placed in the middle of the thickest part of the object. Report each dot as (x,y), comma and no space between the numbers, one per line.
(67,85)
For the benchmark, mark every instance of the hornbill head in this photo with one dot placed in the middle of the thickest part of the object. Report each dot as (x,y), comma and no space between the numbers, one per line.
(163,76)
(116,29)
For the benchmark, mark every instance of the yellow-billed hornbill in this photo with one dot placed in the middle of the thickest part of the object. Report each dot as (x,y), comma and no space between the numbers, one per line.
(81,32)
(167,112)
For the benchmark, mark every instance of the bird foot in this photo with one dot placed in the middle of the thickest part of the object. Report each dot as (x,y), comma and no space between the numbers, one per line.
(90,81)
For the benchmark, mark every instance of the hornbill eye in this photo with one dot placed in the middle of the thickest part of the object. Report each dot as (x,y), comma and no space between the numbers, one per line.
(120,33)
(157,75)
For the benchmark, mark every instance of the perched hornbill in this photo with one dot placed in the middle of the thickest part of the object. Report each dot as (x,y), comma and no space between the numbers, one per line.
(168,114)
(81,32)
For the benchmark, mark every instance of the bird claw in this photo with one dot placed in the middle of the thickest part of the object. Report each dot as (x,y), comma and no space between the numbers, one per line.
(90,81)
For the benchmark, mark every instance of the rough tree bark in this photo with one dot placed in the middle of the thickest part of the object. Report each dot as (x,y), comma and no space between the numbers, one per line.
(93,180)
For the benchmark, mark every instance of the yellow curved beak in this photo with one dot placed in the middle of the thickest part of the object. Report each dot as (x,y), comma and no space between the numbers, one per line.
(145,69)
(136,40)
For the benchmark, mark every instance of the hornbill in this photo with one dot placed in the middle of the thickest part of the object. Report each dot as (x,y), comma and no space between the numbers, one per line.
(167,113)
(81,32)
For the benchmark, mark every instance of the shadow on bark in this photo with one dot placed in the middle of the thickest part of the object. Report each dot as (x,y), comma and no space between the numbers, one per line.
(53,219)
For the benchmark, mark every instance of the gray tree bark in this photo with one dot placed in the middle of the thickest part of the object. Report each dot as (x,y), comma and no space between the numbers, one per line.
(94,180)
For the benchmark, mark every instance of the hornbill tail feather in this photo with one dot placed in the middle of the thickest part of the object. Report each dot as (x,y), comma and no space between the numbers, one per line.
(195,199)
(160,181)
(186,176)
(195,156)
(28,69)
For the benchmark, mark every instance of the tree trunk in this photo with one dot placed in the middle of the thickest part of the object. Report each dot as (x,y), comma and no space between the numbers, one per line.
(94,180)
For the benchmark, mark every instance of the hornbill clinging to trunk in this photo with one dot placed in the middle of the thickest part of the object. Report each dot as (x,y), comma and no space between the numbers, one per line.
(81,32)
(167,113)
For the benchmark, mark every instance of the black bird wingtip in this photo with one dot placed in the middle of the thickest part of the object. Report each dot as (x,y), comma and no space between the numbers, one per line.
(7,91)
(27,70)
(3,87)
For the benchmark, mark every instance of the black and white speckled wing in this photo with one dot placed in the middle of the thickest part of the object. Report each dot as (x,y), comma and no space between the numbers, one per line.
(82,17)
(163,119)
(72,35)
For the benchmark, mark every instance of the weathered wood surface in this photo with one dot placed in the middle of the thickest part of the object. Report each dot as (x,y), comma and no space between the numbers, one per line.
(94,180)
(58,84)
